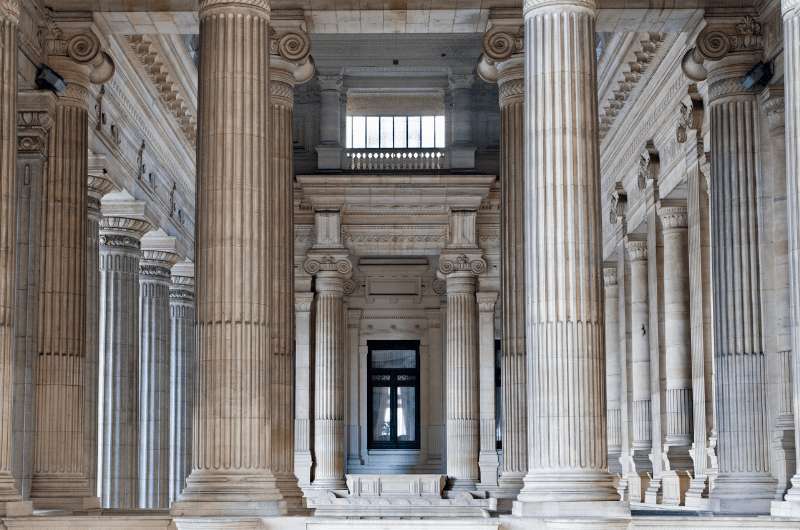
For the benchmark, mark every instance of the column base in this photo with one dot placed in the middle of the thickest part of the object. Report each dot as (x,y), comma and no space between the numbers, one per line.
(653,494)
(460,484)
(743,494)
(70,493)
(511,483)
(785,509)
(697,494)
(16,509)
(292,494)
(218,495)
(637,486)
(589,509)
(67,504)
(488,463)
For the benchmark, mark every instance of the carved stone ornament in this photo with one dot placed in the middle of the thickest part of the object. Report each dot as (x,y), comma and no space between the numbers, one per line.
(32,130)
(207,6)
(618,203)
(338,264)
(609,276)
(674,217)
(10,9)
(439,286)
(350,287)
(501,42)
(648,166)
(690,117)
(637,249)
(462,263)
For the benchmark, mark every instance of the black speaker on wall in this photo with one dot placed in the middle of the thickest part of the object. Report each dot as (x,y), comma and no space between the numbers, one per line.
(49,79)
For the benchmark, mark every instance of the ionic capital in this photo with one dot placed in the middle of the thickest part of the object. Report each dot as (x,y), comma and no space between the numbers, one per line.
(722,40)
(290,50)
(637,247)
(532,6)
(450,264)
(328,265)
(790,8)
(773,105)
(303,301)
(212,7)
(673,217)
(78,56)
(182,288)
(9,10)
(609,274)
(486,301)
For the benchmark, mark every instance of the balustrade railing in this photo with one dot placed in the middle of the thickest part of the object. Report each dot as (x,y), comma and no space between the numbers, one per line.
(395,159)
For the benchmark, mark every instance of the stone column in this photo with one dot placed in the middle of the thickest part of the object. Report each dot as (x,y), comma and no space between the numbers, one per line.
(329,152)
(678,360)
(563,275)
(462,149)
(98,185)
(34,121)
(159,254)
(233,292)
(462,369)
(613,368)
(61,470)
(182,375)
(641,415)
(123,224)
(503,62)
(488,460)
(289,66)
(791,61)
(730,46)
(9,19)
(302,388)
(330,273)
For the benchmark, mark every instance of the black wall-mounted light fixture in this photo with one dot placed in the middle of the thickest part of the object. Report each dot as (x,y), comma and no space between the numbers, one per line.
(49,79)
(758,75)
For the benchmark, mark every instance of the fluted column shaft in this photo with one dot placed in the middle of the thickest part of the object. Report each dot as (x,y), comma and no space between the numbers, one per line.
(281,274)
(613,369)
(677,326)
(744,483)
(511,83)
(461,366)
(791,61)
(183,367)
(60,474)
(567,458)
(98,186)
(488,461)
(154,378)
(119,360)
(9,18)
(231,468)
(329,370)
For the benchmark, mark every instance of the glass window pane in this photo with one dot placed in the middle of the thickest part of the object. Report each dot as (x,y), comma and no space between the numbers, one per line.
(440,132)
(387,131)
(413,132)
(400,132)
(394,359)
(381,414)
(406,414)
(349,133)
(373,132)
(428,132)
(359,132)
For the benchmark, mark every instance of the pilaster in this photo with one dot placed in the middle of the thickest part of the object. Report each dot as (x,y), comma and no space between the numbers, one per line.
(329,152)
(613,368)
(34,122)
(488,460)
(462,149)
(303,463)
(9,20)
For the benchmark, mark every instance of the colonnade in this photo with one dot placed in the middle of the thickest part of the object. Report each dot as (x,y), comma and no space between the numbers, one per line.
(240,444)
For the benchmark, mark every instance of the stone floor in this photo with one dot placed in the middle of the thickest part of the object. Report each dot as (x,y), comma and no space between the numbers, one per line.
(641,520)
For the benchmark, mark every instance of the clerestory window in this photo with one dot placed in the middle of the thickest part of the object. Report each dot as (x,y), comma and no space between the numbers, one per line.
(395,132)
